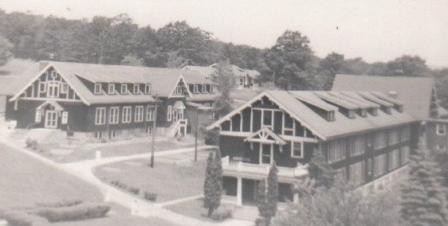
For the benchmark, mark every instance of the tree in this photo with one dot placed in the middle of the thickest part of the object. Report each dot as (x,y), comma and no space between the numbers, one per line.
(213,182)
(408,66)
(423,197)
(132,60)
(225,82)
(5,51)
(290,61)
(329,67)
(267,197)
(321,171)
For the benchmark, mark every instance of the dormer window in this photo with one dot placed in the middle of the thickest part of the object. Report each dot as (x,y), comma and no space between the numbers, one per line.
(374,111)
(330,116)
(351,114)
(111,89)
(388,110)
(196,88)
(204,88)
(147,89)
(399,108)
(136,89)
(363,113)
(124,89)
(208,87)
(97,89)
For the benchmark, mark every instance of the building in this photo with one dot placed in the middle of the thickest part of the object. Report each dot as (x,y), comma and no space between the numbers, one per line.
(245,78)
(418,95)
(364,135)
(106,101)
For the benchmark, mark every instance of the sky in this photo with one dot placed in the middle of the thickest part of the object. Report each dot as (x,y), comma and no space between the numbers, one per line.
(376,30)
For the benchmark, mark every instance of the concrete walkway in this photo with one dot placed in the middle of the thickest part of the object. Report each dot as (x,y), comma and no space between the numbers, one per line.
(139,207)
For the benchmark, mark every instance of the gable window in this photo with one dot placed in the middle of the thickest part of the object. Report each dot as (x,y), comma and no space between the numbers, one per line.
(351,114)
(169,112)
(97,90)
(330,116)
(53,89)
(147,88)
(441,129)
(100,116)
(363,112)
(288,125)
(136,89)
(126,115)
(124,89)
(267,118)
(42,87)
(196,88)
(204,88)
(208,87)
(64,88)
(179,90)
(114,115)
(111,89)
(150,113)
(138,114)
(297,149)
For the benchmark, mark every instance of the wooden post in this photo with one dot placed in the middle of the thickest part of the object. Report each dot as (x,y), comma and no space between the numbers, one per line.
(154,129)
(196,136)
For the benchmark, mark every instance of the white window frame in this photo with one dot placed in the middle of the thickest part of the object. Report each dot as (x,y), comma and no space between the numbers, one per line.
(169,113)
(111,89)
(138,113)
(150,113)
(195,88)
(53,89)
(148,89)
(100,116)
(440,129)
(203,88)
(42,87)
(124,89)
(114,115)
(136,89)
(97,89)
(294,144)
(64,88)
(126,116)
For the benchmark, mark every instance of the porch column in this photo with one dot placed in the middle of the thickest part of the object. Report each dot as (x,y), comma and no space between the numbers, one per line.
(295,197)
(239,191)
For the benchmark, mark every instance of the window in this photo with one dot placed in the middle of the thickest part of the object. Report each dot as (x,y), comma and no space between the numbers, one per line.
(374,111)
(394,137)
(363,112)
(150,113)
(351,114)
(179,90)
(297,149)
(379,140)
(203,88)
(356,146)
(208,87)
(136,89)
(169,112)
(138,115)
(241,81)
(111,89)
(267,118)
(53,89)
(126,116)
(440,129)
(379,165)
(330,116)
(405,154)
(114,115)
(42,87)
(100,116)
(288,125)
(356,173)
(147,88)
(97,90)
(405,134)
(196,88)
(124,89)
(64,88)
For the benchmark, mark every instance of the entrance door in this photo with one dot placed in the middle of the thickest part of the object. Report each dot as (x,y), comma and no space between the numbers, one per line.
(51,119)
(266,156)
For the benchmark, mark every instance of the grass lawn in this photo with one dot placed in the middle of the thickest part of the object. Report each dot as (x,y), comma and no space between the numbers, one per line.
(195,209)
(26,181)
(173,177)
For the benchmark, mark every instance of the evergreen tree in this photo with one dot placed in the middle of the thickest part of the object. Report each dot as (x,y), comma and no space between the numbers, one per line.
(423,198)
(321,171)
(267,196)
(213,183)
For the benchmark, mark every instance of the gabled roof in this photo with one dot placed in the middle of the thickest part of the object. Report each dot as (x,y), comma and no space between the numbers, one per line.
(265,135)
(413,92)
(293,104)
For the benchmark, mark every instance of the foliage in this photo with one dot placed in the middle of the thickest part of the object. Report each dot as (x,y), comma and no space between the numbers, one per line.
(62,203)
(339,206)
(5,50)
(423,196)
(213,182)
(321,171)
(132,60)
(74,213)
(18,218)
(221,214)
(267,195)
(150,196)
(225,82)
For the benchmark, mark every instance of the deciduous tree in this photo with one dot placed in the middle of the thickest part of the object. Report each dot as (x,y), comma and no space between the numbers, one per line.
(5,50)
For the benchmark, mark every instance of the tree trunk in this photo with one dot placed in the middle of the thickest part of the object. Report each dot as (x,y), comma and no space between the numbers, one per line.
(210,211)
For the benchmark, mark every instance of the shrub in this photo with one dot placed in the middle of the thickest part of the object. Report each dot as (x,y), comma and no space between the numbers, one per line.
(260,222)
(150,196)
(221,214)
(31,143)
(63,203)
(134,190)
(16,218)
(74,213)
(119,184)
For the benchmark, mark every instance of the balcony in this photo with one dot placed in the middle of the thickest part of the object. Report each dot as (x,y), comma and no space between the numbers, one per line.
(257,171)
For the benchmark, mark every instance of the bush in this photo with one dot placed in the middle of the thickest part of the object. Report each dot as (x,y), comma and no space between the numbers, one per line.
(119,184)
(63,203)
(150,196)
(74,213)
(31,143)
(16,218)
(221,214)
(134,191)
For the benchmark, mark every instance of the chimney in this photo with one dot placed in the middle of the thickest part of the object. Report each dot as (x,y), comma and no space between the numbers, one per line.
(43,64)
(393,94)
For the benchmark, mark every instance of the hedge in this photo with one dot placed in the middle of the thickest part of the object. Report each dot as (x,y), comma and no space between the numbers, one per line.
(74,213)
(16,218)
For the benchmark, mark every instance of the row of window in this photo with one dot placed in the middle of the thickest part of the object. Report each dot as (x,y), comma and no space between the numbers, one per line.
(53,88)
(124,90)
(126,114)
(201,88)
